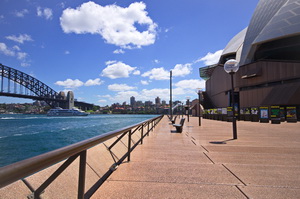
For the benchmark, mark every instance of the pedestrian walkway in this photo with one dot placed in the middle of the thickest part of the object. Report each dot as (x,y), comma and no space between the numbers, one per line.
(204,162)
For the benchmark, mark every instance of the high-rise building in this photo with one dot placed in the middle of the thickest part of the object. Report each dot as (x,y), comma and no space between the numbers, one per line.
(157,101)
(132,101)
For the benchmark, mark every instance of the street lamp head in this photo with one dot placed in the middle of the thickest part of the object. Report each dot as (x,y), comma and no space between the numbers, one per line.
(231,66)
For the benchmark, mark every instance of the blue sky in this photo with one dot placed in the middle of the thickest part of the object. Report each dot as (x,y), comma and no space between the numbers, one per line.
(107,51)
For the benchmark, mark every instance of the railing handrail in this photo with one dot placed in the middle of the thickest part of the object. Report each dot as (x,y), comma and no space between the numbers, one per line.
(27,167)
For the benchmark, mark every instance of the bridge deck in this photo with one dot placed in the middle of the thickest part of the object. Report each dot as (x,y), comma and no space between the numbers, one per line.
(203,162)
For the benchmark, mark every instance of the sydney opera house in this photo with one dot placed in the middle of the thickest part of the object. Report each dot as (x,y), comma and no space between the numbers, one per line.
(268,52)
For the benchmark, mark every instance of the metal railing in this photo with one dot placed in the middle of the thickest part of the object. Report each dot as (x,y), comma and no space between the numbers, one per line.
(20,170)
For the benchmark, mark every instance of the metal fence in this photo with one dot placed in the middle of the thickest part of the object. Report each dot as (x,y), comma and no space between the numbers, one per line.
(20,170)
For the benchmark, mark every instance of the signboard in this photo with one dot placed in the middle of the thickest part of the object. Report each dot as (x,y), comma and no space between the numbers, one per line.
(247,111)
(229,112)
(254,111)
(275,114)
(224,111)
(264,112)
(291,114)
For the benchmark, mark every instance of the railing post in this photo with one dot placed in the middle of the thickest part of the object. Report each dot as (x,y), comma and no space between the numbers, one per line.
(142,134)
(148,129)
(82,171)
(129,145)
(152,125)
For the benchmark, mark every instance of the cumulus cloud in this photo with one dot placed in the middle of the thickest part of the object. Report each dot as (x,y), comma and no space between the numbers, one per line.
(117,69)
(69,83)
(5,50)
(136,72)
(144,82)
(211,58)
(119,51)
(21,13)
(73,84)
(181,70)
(120,87)
(15,51)
(116,25)
(157,74)
(46,13)
(94,82)
(191,84)
(20,39)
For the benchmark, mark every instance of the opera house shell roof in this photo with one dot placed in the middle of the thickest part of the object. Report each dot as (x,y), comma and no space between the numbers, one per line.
(273,33)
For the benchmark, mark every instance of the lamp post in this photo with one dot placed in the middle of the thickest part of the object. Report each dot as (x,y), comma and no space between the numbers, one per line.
(231,67)
(199,90)
(188,108)
(171,111)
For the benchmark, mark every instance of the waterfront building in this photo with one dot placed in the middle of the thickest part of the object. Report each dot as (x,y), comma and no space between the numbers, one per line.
(268,52)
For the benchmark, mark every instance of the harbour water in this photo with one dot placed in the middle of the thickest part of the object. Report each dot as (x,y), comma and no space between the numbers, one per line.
(25,136)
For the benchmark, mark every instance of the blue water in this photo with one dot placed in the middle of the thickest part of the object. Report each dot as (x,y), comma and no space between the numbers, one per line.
(25,136)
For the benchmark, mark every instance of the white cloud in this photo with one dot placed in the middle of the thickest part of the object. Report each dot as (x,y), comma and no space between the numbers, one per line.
(21,55)
(157,74)
(20,39)
(211,58)
(73,84)
(94,82)
(151,94)
(191,84)
(120,87)
(69,83)
(21,13)
(156,61)
(115,24)
(124,96)
(5,50)
(119,51)
(117,69)
(67,52)
(15,51)
(136,72)
(144,82)
(46,12)
(181,70)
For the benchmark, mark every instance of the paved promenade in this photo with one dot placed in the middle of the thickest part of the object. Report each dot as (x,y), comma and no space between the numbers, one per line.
(204,162)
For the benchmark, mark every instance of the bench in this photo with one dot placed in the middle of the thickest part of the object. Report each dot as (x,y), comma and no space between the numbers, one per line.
(179,126)
(173,121)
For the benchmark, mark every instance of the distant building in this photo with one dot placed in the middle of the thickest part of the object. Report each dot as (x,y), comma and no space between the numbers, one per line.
(268,52)
(163,102)
(157,101)
(148,103)
(132,101)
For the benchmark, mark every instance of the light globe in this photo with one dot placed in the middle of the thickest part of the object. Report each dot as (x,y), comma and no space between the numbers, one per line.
(231,66)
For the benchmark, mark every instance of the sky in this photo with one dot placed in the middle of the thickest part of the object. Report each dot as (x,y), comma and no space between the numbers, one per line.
(106,51)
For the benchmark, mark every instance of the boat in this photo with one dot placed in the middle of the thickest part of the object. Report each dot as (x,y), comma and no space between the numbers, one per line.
(66,112)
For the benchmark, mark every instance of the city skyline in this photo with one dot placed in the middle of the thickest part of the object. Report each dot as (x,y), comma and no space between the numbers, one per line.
(125,49)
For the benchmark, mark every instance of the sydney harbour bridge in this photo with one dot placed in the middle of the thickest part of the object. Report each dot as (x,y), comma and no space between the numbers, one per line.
(15,83)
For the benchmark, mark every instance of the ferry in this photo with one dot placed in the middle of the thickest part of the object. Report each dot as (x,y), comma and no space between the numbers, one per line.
(66,112)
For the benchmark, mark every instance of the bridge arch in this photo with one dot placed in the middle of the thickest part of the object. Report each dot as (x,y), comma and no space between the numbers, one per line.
(40,90)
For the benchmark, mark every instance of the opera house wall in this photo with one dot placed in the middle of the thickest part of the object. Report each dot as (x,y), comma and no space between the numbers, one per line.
(268,52)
